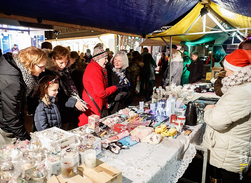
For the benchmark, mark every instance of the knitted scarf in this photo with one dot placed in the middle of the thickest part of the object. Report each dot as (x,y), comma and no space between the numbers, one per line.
(28,78)
(122,77)
(237,78)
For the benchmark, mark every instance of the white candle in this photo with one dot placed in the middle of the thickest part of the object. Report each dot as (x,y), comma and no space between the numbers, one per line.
(90,161)
(90,158)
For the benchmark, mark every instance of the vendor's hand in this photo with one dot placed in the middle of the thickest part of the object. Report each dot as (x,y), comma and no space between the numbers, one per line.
(209,106)
(81,106)
(187,65)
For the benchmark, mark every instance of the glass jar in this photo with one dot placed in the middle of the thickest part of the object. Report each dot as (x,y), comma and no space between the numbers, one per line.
(7,170)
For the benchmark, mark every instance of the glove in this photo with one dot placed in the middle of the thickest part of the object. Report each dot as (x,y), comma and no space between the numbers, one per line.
(121,86)
(120,96)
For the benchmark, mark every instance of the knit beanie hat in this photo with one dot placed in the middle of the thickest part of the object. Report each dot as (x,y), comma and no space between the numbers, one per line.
(237,59)
(99,52)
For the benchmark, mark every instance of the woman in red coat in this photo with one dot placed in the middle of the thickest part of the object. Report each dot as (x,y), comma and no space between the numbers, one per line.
(95,83)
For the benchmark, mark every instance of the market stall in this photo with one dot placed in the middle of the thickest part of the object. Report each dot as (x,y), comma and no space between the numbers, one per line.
(152,142)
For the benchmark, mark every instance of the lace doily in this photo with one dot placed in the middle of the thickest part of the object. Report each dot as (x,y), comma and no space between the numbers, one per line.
(165,162)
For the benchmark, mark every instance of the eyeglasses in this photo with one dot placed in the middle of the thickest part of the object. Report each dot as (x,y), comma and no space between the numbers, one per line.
(53,81)
(40,67)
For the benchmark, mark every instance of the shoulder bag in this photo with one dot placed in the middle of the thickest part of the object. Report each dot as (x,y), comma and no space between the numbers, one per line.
(99,110)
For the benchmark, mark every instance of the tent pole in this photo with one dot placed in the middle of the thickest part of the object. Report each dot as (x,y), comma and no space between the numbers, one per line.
(204,23)
(197,33)
(164,41)
(170,48)
(193,24)
(211,65)
(189,50)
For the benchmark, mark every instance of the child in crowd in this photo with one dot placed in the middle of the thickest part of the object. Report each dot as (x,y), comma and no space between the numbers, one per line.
(47,114)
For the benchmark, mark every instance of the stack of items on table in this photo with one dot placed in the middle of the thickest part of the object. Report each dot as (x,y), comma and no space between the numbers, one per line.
(163,118)
(54,151)
(41,157)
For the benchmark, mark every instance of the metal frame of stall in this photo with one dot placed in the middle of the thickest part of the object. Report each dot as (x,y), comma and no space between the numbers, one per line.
(222,29)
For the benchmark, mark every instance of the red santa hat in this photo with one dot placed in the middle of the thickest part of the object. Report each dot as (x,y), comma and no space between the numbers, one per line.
(237,59)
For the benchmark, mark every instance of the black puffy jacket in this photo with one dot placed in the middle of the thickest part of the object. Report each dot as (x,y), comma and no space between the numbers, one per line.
(12,98)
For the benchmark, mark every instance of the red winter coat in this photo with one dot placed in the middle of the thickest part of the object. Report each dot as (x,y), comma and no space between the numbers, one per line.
(94,83)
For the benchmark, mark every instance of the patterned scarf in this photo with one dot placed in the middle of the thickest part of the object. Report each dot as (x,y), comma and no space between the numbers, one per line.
(237,78)
(67,84)
(122,77)
(28,78)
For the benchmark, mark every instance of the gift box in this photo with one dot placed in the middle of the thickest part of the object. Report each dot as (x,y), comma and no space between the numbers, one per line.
(93,122)
(60,137)
(74,179)
(102,173)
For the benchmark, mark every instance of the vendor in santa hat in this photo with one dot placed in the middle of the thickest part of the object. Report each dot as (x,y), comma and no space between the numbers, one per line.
(228,129)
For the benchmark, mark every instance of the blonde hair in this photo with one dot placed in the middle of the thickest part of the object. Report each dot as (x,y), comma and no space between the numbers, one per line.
(31,56)
(124,58)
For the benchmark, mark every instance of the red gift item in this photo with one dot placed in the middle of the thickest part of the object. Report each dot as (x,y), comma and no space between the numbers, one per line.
(178,123)
(119,128)
(173,118)
(182,118)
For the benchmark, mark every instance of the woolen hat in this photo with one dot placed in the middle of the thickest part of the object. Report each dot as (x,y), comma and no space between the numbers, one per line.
(237,59)
(99,52)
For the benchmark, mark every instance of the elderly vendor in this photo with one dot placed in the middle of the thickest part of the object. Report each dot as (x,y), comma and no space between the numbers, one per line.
(228,130)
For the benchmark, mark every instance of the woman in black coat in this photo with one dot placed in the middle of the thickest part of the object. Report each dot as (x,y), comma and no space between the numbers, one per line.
(118,73)
(17,80)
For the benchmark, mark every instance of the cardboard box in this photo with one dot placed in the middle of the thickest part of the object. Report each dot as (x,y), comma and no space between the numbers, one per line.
(214,71)
(74,179)
(102,173)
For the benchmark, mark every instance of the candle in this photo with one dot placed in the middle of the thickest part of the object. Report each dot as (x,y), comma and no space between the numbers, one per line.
(67,166)
(90,158)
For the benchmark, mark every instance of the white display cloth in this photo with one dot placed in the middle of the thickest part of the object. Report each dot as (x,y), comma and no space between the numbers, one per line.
(165,162)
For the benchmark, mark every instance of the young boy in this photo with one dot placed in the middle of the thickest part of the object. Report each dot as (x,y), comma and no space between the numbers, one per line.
(195,68)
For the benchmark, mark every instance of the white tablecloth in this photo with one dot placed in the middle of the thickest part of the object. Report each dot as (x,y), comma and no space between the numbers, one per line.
(165,162)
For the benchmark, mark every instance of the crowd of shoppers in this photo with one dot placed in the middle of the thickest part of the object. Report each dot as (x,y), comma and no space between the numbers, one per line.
(69,88)
(69,101)
(103,87)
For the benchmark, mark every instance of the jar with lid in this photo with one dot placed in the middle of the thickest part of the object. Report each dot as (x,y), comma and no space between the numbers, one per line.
(6,170)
